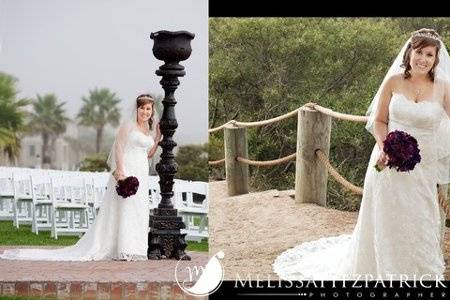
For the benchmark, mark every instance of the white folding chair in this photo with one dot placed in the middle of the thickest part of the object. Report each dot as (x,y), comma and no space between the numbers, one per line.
(154,192)
(6,194)
(41,202)
(195,215)
(68,195)
(23,199)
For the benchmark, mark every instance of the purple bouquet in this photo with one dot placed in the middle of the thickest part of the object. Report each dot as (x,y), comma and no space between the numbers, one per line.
(402,150)
(127,187)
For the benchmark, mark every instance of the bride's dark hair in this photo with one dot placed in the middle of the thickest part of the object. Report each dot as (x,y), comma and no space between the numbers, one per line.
(420,39)
(146,99)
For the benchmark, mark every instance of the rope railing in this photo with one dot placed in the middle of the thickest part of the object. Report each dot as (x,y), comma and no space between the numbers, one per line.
(256,123)
(212,130)
(310,105)
(337,115)
(267,162)
(216,162)
(333,172)
(320,154)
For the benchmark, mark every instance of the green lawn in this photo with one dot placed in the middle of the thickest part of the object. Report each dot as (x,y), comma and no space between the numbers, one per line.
(23,236)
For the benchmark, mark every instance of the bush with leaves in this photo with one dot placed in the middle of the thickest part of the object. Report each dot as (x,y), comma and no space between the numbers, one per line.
(95,163)
(192,162)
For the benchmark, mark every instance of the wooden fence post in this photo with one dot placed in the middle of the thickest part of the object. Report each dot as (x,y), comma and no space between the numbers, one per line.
(311,176)
(235,142)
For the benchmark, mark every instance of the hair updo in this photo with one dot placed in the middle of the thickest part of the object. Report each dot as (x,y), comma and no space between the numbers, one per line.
(420,39)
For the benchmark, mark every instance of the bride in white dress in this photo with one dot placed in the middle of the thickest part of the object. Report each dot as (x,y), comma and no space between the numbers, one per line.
(120,230)
(398,232)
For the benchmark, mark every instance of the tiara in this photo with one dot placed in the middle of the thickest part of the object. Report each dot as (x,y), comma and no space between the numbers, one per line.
(147,98)
(426,35)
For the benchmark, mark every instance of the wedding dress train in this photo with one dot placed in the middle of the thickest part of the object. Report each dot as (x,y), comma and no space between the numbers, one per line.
(398,229)
(120,230)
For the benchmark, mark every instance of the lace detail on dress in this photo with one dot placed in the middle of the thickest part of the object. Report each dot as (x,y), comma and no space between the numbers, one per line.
(303,261)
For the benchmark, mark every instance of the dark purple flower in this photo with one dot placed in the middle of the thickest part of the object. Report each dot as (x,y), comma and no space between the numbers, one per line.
(127,187)
(402,150)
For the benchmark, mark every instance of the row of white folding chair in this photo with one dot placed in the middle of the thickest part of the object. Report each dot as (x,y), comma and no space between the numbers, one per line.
(48,197)
(6,190)
(189,210)
(100,178)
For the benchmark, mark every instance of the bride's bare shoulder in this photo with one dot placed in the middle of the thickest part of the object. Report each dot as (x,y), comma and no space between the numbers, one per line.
(395,81)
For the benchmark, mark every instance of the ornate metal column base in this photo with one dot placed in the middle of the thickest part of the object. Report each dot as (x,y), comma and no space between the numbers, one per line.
(165,239)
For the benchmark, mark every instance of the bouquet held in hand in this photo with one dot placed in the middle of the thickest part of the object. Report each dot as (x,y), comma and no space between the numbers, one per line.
(403,151)
(127,187)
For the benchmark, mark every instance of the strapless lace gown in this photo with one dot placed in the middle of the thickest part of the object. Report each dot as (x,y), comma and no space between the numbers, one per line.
(120,230)
(398,227)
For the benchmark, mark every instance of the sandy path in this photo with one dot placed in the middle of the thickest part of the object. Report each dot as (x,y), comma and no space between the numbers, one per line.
(254,229)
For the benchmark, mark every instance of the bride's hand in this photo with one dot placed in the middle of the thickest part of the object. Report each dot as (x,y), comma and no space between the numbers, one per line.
(158,133)
(383,159)
(119,175)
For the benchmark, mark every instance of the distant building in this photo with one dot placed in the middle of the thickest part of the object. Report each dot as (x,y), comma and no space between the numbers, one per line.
(63,154)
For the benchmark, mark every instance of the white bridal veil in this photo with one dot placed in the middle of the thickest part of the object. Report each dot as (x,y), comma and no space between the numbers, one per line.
(441,88)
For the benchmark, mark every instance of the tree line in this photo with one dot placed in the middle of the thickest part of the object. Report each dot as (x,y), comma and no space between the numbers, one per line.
(48,117)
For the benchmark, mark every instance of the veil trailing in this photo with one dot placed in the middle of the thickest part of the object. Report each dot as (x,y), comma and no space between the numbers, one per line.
(129,123)
(441,88)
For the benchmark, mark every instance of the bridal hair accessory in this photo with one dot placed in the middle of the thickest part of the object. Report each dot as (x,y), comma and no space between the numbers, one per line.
(127,187)
(426,34)
(146,97)
(403,151)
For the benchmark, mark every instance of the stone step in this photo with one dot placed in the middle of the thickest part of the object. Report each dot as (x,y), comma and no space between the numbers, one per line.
(94,290)
(151,279)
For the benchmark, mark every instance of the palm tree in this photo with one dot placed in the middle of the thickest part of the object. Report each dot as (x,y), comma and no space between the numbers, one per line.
(48,120)
(12,116)
(99,109)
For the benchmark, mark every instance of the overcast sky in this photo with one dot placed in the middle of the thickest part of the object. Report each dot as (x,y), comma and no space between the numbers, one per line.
(68,47)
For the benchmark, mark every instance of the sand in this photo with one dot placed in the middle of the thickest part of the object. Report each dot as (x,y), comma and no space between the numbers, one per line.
(253,229)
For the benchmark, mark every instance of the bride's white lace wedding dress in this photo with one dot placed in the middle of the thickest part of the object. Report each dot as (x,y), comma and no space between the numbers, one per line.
(398,227)
(120,230)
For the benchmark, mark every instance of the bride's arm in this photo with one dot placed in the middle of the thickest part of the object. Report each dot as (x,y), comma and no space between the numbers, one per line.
(152,150)
(382,114)
(447,98)
(121,139)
